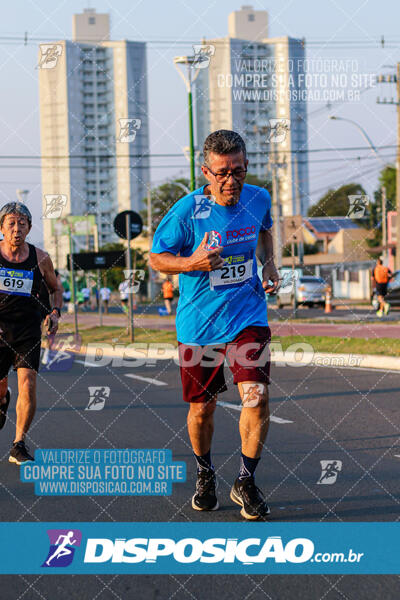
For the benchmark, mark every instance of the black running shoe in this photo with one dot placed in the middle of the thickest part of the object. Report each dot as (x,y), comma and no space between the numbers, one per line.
(245,493)
(4,409)
(205,498)
(19,453)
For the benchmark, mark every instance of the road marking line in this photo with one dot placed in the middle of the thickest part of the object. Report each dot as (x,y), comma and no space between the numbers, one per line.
(82,362)
(148,379)
(370,369)
(239,407)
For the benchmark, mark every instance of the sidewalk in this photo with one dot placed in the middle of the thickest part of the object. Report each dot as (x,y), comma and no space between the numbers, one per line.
(355,330)
(279,328)
(89,320)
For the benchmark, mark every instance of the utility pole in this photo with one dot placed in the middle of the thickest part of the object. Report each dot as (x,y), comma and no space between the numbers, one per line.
(72,278)
(398,169)
(300,244)
(96,249)
(395,78)
(128,262)
(150,236)
(276,211)
(384,234)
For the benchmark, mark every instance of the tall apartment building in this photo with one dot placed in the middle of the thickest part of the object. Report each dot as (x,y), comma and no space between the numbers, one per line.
(94,127)
(251,79)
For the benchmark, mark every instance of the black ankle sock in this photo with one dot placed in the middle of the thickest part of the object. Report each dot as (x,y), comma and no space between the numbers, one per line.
(204,462)
(247,466)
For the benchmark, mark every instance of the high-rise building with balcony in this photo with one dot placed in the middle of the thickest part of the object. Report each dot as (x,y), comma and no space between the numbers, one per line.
(251,82)
(94,127)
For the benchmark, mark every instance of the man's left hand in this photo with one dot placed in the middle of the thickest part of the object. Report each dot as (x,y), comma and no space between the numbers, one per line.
(51,323)
(270,273)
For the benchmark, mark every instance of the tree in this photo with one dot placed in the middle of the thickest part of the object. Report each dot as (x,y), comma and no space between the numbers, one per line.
(164,196)
(335,203)
(115,275)
(387,179)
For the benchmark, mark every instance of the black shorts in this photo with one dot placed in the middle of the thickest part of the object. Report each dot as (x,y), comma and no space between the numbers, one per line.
(381,289)
(20,354)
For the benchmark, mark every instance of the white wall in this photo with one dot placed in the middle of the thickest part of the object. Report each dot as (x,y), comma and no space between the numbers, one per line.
(353,290)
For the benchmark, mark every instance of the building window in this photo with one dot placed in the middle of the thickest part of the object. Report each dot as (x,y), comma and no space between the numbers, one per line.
(92,20)
(354,276)
(250,17)
(340,276)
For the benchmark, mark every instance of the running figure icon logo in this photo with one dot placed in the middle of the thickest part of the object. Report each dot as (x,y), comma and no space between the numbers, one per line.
(330,470)
(203,206)
(97,397)
(251,394)
(54,205)
(214,240)
(132,280)
(128,129)
(202,55)
(358,204)
(63,543)
(287,281)
(49,54)
(278,129)
(62,353)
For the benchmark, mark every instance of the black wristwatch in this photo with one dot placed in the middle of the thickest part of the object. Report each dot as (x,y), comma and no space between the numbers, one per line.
(57,309)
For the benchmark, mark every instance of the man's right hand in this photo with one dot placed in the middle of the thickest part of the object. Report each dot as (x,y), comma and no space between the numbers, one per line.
(203,259)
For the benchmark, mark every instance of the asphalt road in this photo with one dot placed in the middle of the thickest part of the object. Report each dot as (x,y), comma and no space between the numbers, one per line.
(318,413)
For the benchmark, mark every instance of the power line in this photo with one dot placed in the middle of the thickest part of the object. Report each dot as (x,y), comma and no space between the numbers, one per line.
(327,187)
(179,155)
(383,42)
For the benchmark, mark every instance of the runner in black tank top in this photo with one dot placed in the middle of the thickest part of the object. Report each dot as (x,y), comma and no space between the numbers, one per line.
(23,269)
(20,310)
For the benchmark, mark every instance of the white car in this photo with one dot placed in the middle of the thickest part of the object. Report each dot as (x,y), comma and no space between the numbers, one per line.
(310,290)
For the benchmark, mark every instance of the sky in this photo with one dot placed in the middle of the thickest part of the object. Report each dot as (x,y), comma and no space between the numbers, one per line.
(333,29)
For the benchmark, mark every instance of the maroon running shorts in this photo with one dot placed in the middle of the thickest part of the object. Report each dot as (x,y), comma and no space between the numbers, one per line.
(202,367)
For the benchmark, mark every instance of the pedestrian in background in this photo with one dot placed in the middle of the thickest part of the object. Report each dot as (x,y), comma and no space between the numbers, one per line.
(168,293)
(381,276)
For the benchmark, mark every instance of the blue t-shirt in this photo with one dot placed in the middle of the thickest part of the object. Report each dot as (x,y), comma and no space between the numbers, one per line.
(214,306)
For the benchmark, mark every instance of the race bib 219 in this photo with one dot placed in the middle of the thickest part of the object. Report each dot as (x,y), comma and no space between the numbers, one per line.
(237,269)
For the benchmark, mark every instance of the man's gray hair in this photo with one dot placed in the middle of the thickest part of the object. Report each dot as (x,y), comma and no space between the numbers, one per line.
(15,208)
(223,141)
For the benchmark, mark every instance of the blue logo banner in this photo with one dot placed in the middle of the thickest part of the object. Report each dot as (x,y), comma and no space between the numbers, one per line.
(200,548)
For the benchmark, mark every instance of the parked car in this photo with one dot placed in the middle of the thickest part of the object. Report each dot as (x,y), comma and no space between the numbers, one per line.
(393,293)
(310,290)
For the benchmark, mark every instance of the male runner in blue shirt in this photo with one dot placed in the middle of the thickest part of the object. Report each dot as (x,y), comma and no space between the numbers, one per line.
(212,237)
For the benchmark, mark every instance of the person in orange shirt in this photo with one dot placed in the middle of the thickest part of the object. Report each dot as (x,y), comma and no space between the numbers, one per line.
(168,293)
(381,276)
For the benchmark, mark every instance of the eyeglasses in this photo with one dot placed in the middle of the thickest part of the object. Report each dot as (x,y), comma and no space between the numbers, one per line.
(238,174)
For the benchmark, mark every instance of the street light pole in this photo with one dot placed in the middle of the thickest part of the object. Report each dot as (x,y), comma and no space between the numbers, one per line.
(189,61)
(150,236)
(363,133)
(378,156)
(191,137)
(395,79)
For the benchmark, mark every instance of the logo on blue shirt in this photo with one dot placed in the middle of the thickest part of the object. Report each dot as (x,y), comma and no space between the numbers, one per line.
(203,206)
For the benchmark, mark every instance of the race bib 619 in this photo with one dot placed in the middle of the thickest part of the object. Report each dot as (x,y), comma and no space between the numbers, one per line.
(16,281)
